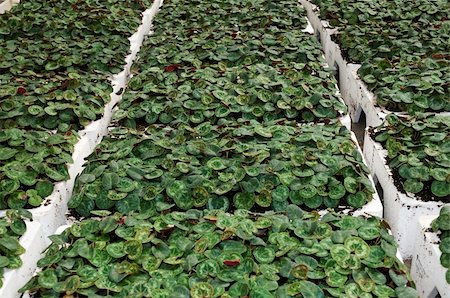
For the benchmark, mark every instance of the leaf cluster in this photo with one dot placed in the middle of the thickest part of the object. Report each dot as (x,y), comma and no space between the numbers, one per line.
(12,227)
(30,162)
(233,165)
(57,57)
(244,60)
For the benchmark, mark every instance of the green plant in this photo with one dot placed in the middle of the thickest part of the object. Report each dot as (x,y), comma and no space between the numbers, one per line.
(442,224)
(12,227)
(216,254)
(418,151)
(31,161)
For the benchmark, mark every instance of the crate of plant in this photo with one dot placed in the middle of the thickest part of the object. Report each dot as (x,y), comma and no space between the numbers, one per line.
(198,150)
(226,177)
(430,263)
(211,253)
(372,79)
(412,171)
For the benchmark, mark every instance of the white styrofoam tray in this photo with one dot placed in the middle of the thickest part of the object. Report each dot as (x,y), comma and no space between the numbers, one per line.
(52,214)
(7,5)
(426,268)
(374,207)
(34,243)
(401,210)
(355,93)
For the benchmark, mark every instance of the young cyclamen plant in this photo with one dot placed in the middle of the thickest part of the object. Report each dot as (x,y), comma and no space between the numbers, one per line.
(215,254)
(442,225)
(233,165)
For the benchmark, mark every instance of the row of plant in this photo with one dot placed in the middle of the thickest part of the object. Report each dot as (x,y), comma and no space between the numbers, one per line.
(12,227)
(402,51)
(194,131)
(418,151)
(200,137)
(254,63)
(442,225)
(57,58)
(233,165)
(217,254)
(402,46)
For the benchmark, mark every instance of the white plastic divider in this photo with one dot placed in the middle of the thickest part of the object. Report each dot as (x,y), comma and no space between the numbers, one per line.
(34,243)
(426,268)
(7,5)
(402,211)
(52,213)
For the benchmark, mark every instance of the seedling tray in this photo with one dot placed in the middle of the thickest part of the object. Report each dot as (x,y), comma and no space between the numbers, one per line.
(401,210)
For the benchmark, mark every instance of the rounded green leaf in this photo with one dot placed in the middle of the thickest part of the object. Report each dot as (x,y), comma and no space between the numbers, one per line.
(216,163)
(350,184)
(413,185)
(48,279)
(264,255)
(440,188)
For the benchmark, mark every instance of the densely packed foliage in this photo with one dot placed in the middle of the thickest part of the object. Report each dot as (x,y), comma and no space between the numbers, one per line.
(402,46)
(218,59)
(442,225)
(210,121)
(418,151)
(57,58)
(217,254)
(233,165)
